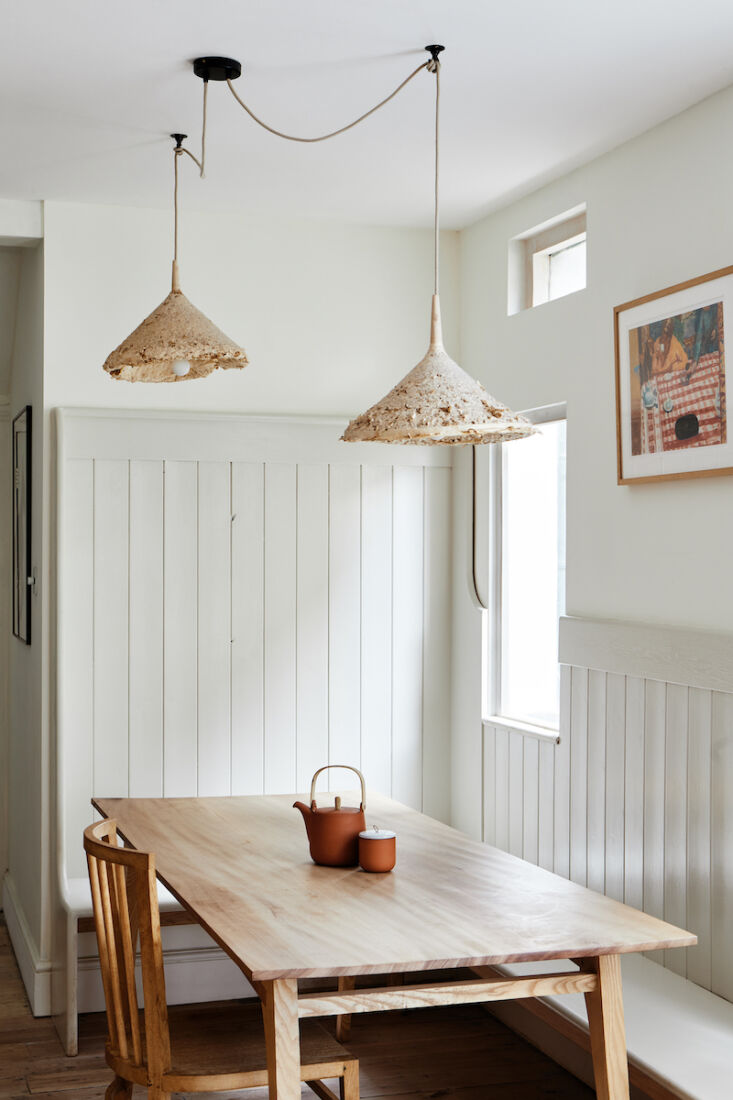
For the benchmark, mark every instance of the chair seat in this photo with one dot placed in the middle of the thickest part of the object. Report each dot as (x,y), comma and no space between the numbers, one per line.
(229,1038)
(79,895)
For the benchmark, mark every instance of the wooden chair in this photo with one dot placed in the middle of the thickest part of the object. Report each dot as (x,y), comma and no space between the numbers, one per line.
(214,1048)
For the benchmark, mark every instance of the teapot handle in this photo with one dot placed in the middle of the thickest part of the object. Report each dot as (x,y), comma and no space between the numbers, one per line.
(351,769)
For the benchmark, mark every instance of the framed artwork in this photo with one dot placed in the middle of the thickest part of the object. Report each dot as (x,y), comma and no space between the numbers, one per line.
(671,413)
(22,525)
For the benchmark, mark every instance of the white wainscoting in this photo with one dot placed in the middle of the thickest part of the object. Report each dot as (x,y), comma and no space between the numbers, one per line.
(636,799)
(242,600)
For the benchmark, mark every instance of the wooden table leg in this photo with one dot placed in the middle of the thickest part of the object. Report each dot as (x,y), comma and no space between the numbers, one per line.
(606,1023)
(282,1037)
(343,1023)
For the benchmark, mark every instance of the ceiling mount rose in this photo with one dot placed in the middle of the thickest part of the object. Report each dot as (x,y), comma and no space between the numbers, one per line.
(217,68)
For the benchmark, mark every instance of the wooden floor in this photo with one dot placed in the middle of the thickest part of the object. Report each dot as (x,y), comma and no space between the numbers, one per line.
(434,1054)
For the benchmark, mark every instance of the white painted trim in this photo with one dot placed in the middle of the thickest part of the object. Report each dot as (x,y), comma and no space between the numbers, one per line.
(527,729)
(35,971)
(21,222)
(673,655)
(192,976)
(108,434)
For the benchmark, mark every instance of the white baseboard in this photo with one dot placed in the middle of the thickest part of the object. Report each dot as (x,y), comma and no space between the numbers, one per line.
(35,971)
(191,976)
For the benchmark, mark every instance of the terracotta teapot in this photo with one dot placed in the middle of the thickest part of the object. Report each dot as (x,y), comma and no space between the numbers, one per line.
(333,831)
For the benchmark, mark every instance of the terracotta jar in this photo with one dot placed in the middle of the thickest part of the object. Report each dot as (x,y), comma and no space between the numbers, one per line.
(333,831)
(377,850)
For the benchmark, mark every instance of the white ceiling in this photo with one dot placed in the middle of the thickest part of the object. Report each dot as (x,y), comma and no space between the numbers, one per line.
(89,91)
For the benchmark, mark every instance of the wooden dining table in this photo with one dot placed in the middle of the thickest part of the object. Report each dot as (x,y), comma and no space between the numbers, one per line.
(241,866)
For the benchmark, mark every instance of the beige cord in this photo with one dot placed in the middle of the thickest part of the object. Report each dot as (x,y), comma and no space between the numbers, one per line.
(342,129)
(434,67)
(203,132)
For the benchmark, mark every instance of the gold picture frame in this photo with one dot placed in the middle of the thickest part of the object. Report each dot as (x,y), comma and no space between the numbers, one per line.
(671,410)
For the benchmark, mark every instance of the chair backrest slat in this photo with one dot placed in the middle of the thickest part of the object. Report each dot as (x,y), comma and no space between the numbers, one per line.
(125,902)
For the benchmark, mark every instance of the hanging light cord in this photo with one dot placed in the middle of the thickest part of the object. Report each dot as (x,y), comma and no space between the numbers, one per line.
(342,129)
(178,151)
(433,66)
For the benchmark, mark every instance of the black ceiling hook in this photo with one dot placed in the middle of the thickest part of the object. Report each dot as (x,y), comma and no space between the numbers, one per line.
(434,51)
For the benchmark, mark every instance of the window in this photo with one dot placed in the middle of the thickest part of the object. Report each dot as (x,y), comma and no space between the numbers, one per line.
(528,575)
(548,262)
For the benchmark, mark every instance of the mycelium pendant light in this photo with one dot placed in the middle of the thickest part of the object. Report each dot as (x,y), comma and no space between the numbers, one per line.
(437,402)
(176,341)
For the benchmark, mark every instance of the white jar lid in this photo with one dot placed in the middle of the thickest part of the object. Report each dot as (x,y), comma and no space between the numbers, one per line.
(377,834)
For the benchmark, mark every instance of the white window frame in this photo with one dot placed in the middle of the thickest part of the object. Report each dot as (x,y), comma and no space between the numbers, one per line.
(492,626)
(554,235)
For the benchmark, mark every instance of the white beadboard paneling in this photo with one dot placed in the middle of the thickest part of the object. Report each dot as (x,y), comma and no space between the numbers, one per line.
(146,629)
(195,590)
(111,577)
(436,645)
(722,849)
(407,635)
(516,793)
(76,657)
(596,780)
(344,611)
(545,804)
(501,796)
(214,628)
(699,799)
(530,815)
(280,629)
(248,564)
(561,793)
(634,794)
(376,627)
(312,632)
(489,790)
(675,818)
(615,778)
(655,717)
(180,658)
(579,776)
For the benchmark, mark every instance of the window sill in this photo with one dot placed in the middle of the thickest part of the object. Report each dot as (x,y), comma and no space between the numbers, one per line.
(542,733)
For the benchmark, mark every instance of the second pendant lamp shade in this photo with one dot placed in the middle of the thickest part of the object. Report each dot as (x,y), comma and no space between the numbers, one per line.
(437,402)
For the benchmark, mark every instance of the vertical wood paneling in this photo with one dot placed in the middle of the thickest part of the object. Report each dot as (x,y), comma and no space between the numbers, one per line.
(634,794)
(675,818)
(545,807)
(562,755)
(344,618)
(248,565)
(214,628)
(436,644)
(376,627)
(530,815)
(615,778)
(407,635)
(596,780)
(579,776)
(180,662)
(699,798)
(146,629)
(722,849)
(280,630)
(111,577)
(516,794)
(77,656)
(501,793)
(311,697)
(655,710)
(489,787)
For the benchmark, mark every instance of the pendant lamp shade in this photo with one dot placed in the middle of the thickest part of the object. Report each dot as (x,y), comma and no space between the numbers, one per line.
(174,332)
(437,402)
(176,342)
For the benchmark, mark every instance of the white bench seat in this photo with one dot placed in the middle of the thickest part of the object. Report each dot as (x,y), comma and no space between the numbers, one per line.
(678,1033)
(79,898)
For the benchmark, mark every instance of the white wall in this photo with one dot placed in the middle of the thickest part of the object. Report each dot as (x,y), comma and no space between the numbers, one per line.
(659,212)
(28,751)
(331,316)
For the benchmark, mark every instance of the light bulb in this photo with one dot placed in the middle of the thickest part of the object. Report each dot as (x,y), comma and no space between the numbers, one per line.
(181,367)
